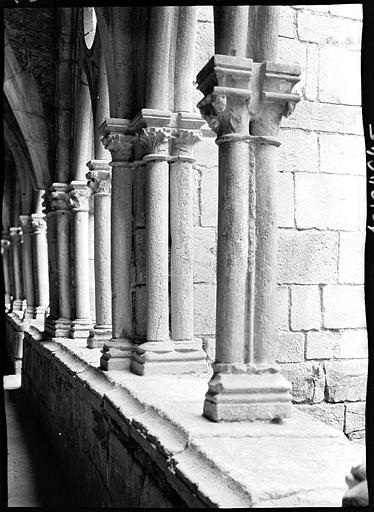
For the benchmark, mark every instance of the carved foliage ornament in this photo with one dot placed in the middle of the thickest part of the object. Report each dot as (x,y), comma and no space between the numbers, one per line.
(184,142)
(155,139)
(120,145)
(99,182)
(5,244)
(59,201)
(15,234)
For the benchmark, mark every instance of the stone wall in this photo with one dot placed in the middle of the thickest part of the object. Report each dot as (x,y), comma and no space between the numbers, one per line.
(321,342)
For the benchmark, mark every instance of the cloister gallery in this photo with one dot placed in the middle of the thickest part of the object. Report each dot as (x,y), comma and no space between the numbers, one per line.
(183,229)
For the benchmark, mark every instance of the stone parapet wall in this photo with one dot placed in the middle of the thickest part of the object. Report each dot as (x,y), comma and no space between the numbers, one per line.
(321,340)
(141,442)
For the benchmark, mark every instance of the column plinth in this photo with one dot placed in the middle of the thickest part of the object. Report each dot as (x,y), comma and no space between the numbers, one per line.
(242,387)
(99,179)
(81,326)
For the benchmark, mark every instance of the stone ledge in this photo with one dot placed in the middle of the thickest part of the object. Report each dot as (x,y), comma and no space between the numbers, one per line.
(301,462)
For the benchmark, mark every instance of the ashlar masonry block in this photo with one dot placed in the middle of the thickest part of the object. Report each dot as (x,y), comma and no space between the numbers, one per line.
(292,156)
(342,154)
(209,196)
(351,257)
(307,257)
(312,72)
(288,347)
(324,202)
(282,309)
(346,381)
(343,306)
(336,85)
(204,258)
(353,11)
(355,420)
(353,344)
(305,307)
(322,344)
(285,200)
(287,22)
(204,309)
(332,414)
(322,29)
(308,381)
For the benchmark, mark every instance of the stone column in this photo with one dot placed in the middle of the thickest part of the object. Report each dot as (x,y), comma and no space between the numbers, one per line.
(40,266)
(28,266)
(182,240)
(15,234)
(5,246)
(79,195)
(117,351)
(61,209)
(99,179)
(239,389)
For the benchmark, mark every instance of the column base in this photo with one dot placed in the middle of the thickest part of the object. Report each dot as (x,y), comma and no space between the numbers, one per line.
(57,328)
(17,305)
(239,394)
(81,328)
(39,314)
(103,333)
(168,357)
(29,313)
(116,354)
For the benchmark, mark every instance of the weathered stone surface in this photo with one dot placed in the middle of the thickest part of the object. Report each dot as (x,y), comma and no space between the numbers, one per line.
(324,29)
(204,257)
(342,154)
(206,152)
(351,257)
(204,309)
(288,347)
(308,381)
(324,202)
(335,84)
(205,13)
(353,11)
(353,344)
(285,200)
(281,305)
(291,50)
(322,344)
(346,380)
(287,22)
(305,308)
(343,306)
(307,257)
(312,72)
(209,346)
(332,414)
(291,152)
(355,422)
(209,196)
(326,117)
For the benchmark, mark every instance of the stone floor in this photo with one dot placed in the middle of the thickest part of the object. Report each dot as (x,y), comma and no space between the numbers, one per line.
(34,477)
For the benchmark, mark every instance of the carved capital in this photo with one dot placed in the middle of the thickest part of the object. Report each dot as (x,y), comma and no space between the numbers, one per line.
(39,222)
(79,196)
(183,144)
(5,244)
(226,84)
(120,145)
(27,227)
(156,142)
(100,182)
(58,197)
(15,234)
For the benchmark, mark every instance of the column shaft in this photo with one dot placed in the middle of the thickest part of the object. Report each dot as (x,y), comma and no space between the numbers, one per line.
(5,245)
(40,266)
(63,263)
(157,243)
(15,234)
(232,251)
(181,257)
(28,266)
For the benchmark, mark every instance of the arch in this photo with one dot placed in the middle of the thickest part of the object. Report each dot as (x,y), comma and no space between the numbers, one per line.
(22,93)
